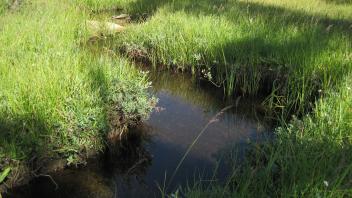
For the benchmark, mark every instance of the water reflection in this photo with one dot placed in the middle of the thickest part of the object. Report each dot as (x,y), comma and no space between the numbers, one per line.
(151,153)
(186,106)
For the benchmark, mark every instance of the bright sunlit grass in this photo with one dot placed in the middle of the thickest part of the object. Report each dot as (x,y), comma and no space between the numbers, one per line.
(298,53)
(56,98)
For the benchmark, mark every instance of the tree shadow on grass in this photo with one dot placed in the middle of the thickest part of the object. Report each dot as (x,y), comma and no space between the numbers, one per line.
(338,2)
(313,35)
(235,10)
(300,53)
(265,63)
(24,136)
(24,146)
(314,31)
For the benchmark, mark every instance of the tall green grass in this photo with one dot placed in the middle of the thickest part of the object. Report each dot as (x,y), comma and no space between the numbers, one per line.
(3,5)
(56,98)
(298,53)
(289,53)
(310,157)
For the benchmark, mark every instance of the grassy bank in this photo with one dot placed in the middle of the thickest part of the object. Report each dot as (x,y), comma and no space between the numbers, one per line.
(291,51)
(310,157)
(57,100)
(297,53)
(3,6)
(60,100)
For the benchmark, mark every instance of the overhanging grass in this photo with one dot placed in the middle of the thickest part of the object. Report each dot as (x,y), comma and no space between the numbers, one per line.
(289,52)
(311,157)
(297,52)
(52,92)
(56,99)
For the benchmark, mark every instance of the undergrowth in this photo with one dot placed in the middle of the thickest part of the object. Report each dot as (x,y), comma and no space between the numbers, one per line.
(292,55)
(310,157)
(298,53)
(56,99)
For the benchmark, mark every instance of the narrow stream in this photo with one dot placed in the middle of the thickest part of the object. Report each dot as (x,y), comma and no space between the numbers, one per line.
(148,161)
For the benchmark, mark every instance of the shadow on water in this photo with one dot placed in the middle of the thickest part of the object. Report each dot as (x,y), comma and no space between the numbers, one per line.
(152,151)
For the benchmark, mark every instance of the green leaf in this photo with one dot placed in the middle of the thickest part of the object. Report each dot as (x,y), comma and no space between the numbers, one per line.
(4,174)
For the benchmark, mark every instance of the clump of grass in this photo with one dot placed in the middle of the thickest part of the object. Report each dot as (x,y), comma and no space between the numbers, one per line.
(102,5)
(296,52)
(248,47)
(56,99)
(3,5)
(310,157)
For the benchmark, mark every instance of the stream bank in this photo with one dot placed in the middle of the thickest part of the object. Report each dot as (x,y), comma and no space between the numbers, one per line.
(149,155)
(56,102)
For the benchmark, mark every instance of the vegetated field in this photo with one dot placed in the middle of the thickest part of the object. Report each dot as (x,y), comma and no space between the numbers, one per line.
(56,97)
(57,100)
(297,53)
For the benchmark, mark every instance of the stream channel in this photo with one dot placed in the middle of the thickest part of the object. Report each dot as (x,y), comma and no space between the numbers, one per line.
(156,147)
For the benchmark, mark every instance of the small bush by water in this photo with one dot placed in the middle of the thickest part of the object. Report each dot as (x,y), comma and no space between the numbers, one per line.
(250,47)
(57,100)
(298,53)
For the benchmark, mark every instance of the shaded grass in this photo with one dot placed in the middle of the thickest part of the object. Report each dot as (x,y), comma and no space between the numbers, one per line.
(56,100)
(311,157)
(296,52)
(4,4)
(288,53)
(56,97)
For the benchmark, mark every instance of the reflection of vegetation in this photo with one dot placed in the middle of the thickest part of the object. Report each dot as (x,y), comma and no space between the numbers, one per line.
(82,183)
(55,100)
(184,86)
(126,159)
(292,63)
(202,94)
(298,52)
(130,157)
(310,157)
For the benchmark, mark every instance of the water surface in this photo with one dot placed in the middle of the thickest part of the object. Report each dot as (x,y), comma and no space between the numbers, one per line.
(148,159)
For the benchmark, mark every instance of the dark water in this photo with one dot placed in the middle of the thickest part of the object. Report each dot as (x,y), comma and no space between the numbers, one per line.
(150,157)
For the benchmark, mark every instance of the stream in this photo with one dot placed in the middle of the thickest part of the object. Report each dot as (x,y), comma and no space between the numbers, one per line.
(143,166)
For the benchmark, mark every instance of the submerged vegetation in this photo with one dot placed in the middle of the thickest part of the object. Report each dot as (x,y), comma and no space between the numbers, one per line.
(59,99)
